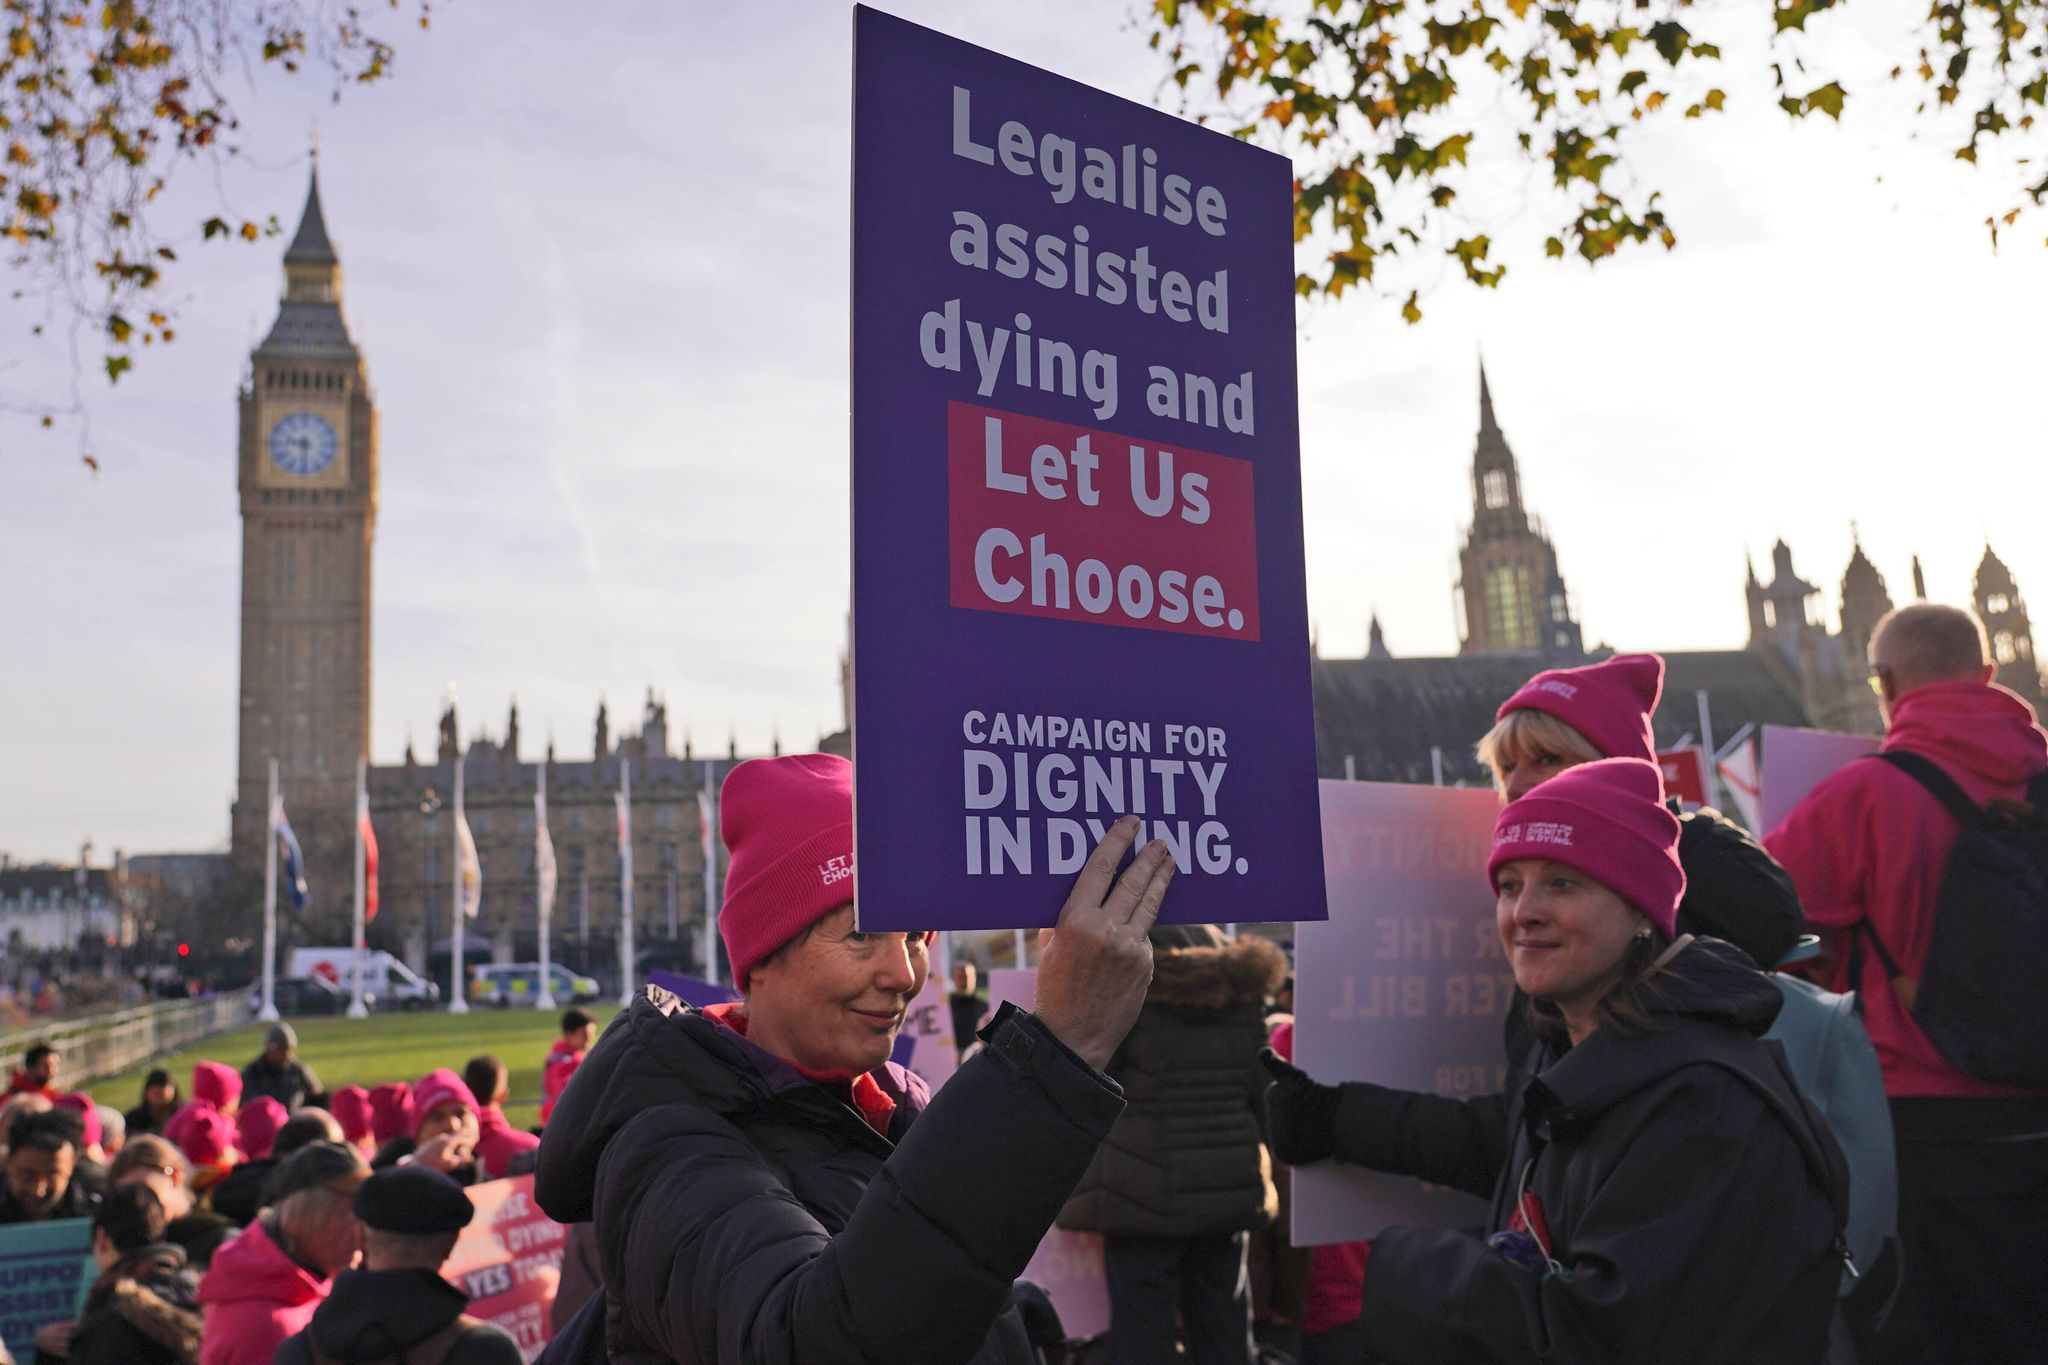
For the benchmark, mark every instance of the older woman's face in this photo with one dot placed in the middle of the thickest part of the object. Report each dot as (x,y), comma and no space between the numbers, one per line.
(834,1002)
(1564,933)
(449,1117)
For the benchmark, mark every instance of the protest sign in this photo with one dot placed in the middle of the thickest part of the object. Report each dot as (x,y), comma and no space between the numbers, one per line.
(1685,775)
(1405,985)
(46,1270)
(1796,761)
(509,1262)
(693,991)
(1078,588)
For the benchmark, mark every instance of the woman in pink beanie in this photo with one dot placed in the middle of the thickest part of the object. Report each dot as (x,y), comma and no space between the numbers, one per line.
(444,1130)
(390,1111)
(1563,717)
(1661,1190)
(256,1127)
(765,1184)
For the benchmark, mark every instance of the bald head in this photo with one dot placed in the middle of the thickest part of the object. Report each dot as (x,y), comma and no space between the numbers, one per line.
(1927,643)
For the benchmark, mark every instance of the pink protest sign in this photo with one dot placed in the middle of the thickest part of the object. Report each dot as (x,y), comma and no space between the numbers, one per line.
(1796,761)
(1404,985)
(509,1261)
(1685,775)
(1067,1265)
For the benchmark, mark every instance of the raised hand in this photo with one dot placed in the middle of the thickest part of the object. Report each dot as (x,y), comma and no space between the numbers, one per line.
(1096,964)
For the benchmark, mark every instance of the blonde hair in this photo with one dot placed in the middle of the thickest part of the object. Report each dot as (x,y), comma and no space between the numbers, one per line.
(1521,735)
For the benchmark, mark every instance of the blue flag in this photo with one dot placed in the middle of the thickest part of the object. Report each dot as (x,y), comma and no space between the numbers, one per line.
(294,861)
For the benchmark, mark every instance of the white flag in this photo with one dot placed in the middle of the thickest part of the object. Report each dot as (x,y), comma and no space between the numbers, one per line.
(1739,779)
(469,869)
(543,853)
(625,819)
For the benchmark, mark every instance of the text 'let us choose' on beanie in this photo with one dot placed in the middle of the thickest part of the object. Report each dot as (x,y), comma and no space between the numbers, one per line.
(1606,819)
(788,827)
(1610,702)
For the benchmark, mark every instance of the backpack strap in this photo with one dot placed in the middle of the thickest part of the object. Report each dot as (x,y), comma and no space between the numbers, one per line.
(1938,783)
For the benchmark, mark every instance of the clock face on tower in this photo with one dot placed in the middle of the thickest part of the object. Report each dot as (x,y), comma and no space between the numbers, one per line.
(303,443)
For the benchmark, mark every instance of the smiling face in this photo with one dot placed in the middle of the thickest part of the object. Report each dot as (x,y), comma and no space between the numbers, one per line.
(38,1177)
(1565,936)
(833,1001)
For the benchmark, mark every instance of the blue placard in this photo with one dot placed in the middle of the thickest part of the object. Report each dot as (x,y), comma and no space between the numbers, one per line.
(1078,583)
(46,1270)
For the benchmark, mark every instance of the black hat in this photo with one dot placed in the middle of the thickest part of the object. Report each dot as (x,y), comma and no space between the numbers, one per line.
(413,1199)
(337,1167)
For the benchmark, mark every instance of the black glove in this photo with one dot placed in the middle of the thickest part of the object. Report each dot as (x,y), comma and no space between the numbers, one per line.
(1301,1116)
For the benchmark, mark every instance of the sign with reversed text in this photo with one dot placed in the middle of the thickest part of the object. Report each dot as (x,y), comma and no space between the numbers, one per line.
(1078,585)
(1406,985)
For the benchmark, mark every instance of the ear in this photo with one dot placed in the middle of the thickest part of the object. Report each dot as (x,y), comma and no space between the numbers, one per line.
(1987,673)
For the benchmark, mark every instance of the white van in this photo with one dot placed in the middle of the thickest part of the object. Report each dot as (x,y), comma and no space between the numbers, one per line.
(383,975)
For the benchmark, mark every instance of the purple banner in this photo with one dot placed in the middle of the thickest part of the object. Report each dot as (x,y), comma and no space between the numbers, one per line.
(1078,585)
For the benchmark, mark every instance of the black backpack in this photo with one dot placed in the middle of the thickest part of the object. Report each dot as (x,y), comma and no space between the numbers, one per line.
(1979,999)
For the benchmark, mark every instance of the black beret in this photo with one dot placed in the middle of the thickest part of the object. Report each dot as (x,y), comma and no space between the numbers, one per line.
(413,1199)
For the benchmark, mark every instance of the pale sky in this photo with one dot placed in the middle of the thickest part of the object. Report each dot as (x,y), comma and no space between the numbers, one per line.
(599,269)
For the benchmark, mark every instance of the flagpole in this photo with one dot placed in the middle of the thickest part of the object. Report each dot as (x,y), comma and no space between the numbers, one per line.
(268,1013)
(457,976)
(356,1008)
(544,895)
(626,884)
(1707,745)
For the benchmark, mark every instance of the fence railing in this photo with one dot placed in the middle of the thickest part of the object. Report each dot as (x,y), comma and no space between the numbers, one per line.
(102,1045)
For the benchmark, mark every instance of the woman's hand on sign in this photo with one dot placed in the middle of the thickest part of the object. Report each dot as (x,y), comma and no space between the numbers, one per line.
(1095,965)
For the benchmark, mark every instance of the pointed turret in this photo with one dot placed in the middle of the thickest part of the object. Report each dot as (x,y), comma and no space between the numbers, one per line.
(1376,641)
(1486,420)
(1919,581)
(310,325)
(310,244)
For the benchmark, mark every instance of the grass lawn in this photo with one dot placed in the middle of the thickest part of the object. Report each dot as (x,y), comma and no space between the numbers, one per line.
(383,1047)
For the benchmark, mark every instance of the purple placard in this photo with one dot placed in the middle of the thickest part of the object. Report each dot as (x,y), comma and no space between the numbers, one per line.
(1078,586)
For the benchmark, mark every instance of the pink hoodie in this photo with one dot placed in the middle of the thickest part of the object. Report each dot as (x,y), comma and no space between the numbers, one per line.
(1870,841)
(255,1297)
(498,1142)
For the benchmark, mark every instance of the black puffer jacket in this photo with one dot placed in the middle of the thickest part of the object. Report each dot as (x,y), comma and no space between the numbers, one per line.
(378,1315)
(1693,1199)
(747,1216)
(1186,1159)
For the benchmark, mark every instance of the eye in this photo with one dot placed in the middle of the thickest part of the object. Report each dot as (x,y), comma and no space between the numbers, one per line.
(922,938)
(857,936)
(1510,886)
(1562,883)
(1548,760)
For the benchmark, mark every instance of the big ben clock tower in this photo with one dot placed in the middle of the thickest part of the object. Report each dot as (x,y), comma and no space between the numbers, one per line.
(307,476)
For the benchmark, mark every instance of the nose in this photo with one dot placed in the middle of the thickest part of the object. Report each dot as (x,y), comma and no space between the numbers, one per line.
(1523,779)
(896,972)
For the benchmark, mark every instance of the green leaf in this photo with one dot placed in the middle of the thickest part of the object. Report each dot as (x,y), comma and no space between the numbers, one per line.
(1828,100)
(117,365)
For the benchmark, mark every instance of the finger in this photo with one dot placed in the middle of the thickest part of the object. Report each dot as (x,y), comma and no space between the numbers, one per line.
(1093,884)
(1146,912)
(1130,888)
(1044,942)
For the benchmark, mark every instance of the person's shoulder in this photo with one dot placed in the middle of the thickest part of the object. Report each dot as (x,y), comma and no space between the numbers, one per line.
(483,1343)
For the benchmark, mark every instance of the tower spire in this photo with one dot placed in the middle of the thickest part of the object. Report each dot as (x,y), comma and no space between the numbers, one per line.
(1486,420)
(310,244)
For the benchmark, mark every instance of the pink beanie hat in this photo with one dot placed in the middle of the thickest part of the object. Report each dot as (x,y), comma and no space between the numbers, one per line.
(256,1126)
(1608,820)
(391,1111)
(351,1109)
(207,1137)
(435,1089)
(1610,702)
(219,1085)
(83,1106)
(789,832)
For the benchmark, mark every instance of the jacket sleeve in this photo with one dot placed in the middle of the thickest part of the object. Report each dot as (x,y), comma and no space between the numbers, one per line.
(1681,1192)
(723,1264)
(1735,890)
(1460,1143)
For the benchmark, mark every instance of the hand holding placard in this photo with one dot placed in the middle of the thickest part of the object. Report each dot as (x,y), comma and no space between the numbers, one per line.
(1097,962)
(1301,1115)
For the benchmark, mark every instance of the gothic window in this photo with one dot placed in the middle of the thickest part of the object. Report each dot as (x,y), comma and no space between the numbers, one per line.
(1494,488)
(1770,616)
(1511,607)
(2002,648)
(1558,611)
(1996,604)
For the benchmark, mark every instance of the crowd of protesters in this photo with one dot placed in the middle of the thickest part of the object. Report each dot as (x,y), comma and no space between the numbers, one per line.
(1733,1127)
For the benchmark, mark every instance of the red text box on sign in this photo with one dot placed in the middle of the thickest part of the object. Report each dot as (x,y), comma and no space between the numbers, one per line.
(1026,539)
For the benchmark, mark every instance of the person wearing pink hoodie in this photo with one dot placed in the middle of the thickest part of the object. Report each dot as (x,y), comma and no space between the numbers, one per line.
(501,1149)
(1868,847)
(265,1284)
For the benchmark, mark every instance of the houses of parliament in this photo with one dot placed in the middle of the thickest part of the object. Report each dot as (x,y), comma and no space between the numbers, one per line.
(307,471)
